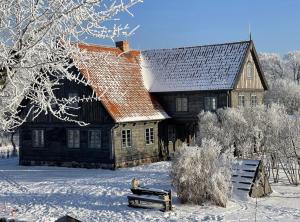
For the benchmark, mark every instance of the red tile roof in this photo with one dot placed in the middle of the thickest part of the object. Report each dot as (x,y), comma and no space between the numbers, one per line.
(116,78)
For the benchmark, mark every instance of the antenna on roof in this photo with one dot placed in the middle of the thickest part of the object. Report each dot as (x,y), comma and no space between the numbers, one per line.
(250,37)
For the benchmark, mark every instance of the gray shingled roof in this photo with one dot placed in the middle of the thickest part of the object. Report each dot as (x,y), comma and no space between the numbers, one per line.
(210,67)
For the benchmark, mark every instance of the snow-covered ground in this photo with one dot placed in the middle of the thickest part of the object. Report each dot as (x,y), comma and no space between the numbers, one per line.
(46,193)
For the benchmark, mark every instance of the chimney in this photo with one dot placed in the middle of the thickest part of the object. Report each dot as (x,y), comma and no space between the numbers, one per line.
(123,45)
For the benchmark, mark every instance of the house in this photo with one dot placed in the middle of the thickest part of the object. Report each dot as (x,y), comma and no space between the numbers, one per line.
(123,129)
(188,80)
(149,103)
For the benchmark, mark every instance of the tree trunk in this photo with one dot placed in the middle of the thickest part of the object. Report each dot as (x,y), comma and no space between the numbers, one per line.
(14,153)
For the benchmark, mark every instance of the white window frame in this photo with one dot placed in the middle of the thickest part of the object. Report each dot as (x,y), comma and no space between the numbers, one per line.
(73,140)
(252,100)
(181,104)
(95,141)
(149,136)
(210,103)
(126,138)
(250,70)
(38,138)
(241,102)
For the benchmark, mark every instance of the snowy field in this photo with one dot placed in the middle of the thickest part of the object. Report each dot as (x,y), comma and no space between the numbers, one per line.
(46,193)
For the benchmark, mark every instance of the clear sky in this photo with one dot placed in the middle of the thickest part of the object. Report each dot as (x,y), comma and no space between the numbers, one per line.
(275,24)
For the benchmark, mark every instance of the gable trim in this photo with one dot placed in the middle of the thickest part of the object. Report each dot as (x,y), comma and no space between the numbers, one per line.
(259,69)
(251,49)
(242,65)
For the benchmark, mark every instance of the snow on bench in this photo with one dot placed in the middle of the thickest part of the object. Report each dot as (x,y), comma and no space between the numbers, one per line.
(150,191)
(143,195)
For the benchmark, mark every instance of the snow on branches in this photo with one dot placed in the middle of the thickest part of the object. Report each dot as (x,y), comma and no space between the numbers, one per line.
(36,51)
(202,174)
(268,133)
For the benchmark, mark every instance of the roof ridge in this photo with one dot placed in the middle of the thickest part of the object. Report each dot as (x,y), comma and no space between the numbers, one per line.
(188,47)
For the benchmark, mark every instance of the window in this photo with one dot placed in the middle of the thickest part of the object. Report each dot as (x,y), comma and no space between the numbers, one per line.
(38,138)
(253,100)
(95,139)
(171,133)
(72,95)
(73,138)
(249,70)
(126,138)
(149,136)
(241,101)
(210,103)
(181,104)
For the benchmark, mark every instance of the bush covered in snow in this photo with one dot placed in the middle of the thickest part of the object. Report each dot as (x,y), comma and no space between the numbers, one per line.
(202,174)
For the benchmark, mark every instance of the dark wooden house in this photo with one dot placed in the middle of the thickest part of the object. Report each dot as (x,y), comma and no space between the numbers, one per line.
(188,80)
(123,129)
(149,103)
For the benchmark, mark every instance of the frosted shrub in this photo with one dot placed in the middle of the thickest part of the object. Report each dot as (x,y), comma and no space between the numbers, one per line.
(202,174)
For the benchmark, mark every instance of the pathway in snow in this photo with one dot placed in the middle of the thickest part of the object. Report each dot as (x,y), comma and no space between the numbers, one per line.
(46,193)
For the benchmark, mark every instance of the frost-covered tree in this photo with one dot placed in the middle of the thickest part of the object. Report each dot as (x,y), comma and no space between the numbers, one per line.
(293,63)
(202,174)
(281,67)
(286,92)
(268,133)
(37,49)
(273,65)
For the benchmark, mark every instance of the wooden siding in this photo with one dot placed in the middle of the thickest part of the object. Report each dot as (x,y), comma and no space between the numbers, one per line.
(195,102)
(139,152)
(56,151)
(247,94)
(185,123)
(244,82)
(90,112)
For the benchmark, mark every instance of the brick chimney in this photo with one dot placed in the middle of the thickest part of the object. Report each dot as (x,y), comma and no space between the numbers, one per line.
(123,45)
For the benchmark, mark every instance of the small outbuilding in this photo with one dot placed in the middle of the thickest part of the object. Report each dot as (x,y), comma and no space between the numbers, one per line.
(67,218)
(249,179)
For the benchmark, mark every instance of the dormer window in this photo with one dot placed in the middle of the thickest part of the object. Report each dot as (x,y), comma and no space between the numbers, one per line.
(249,70)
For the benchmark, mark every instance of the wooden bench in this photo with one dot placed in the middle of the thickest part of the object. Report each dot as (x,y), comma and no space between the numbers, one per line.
(142,195)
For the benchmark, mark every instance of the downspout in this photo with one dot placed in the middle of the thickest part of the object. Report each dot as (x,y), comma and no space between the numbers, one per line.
(112,153)
(228,95)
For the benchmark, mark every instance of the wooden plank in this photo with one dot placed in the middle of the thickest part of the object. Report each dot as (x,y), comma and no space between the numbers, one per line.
(146,198)
(150,191)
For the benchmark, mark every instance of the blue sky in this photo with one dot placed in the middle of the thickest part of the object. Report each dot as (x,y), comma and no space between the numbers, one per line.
(275,24)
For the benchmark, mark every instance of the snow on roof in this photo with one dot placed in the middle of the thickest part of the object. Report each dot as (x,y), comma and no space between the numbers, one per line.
(210,67)
(116,78)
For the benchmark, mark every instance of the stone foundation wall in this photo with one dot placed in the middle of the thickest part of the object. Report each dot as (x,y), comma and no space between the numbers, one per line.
(133,163)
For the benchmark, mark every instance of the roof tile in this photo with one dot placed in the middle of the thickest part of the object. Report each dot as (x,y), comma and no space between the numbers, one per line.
(210,67)
(116,78)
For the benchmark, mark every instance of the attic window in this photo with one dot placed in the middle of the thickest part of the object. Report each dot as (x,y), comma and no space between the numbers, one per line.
(249,70)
